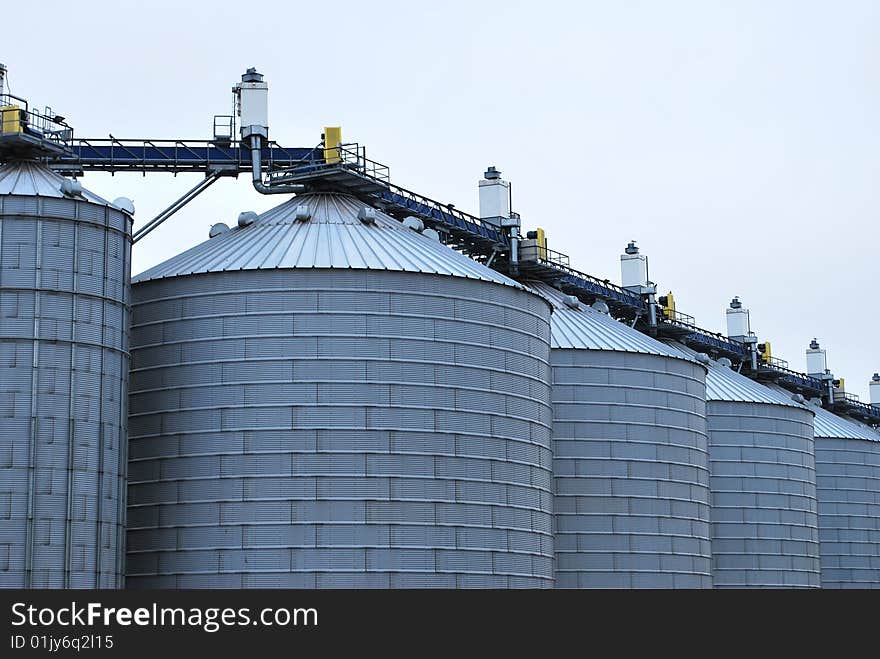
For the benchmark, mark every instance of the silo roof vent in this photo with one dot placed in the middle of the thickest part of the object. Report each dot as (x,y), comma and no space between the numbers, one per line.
(124,204)
(735,303)
(492,173)
(413,223)
(70,187)
(876,377)
(246,218)
(251,75)
(302,213)
(218,229)
(631,248)
(814,344)
(572,301)
(367,215)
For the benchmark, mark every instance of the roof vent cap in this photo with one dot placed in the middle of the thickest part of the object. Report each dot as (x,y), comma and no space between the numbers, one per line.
(246,218)
(70,187)
(572,302)
(432,234)
(302,213)
(413,223)
(251,75)
(631,248)
(798,398)
(725,362)
(735,303)
(601,306)
(814,344)
(703,358)
(124,204)
(876,377)
(367,215)
(492,173)
(217,229)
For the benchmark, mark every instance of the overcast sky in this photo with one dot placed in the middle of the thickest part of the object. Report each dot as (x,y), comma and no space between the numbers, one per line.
(737,142)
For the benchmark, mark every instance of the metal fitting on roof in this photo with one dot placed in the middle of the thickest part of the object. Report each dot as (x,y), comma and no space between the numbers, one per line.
(367,215)
(246,218)
(217,229)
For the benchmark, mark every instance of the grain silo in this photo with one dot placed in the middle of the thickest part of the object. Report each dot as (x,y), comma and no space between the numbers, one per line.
(848,492)
(324,397)
(64,288)
(763,484)
(631,468)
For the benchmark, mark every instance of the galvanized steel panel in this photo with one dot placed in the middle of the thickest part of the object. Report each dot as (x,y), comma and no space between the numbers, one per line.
(848,492)
(764,509)
(64,288)
(763,482)
(631,479)
(378,450)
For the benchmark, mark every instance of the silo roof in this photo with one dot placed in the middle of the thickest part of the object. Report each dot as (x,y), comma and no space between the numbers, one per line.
(828,425)
(332,237)
(725,384)
(585,328)
(28,178)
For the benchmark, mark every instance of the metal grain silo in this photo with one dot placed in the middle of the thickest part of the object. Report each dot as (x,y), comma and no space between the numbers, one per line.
(848,491)
(324,397)
(631,468)
(64,288)
(763,483)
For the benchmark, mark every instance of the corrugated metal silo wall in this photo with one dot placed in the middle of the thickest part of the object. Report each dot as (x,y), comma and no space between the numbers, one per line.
(631,471)
(64,286)
(763,482)
(330,428)
(848,489)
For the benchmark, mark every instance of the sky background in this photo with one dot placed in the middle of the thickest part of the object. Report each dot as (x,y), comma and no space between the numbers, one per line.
(737,142)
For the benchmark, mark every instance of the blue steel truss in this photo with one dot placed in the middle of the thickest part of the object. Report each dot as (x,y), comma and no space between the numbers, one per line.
(853,407)
(458,224)
(173,156)
(715,343)
(792,380)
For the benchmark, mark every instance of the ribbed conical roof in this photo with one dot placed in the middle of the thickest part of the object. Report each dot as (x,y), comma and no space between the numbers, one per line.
(725,384)
(332,237)
(584,328)
(830,426)
(29,178)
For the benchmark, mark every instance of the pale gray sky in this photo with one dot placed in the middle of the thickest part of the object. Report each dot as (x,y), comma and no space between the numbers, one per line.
(738,142)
